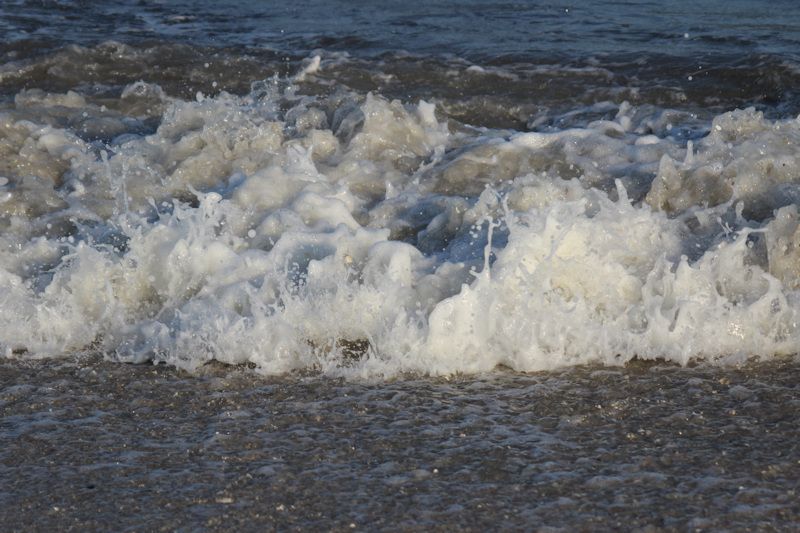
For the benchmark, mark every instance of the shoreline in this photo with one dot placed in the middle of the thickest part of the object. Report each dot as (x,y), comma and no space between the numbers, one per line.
(109,446)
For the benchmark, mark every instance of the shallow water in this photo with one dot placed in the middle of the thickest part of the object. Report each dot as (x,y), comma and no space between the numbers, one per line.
(87,444)
(454,265)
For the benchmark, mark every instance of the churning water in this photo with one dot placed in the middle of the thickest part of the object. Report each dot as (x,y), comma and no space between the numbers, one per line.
(421,251)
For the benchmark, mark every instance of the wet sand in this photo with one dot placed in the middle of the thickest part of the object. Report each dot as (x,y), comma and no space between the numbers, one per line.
(91,445)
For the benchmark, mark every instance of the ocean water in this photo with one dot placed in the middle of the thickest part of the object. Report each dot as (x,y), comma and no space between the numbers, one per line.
(430,265)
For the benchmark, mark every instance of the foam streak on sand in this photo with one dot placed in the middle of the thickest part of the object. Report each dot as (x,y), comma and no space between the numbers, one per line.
(350,233)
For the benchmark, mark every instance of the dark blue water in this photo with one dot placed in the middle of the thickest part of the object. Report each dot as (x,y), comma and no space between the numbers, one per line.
(479,30)
(704,57)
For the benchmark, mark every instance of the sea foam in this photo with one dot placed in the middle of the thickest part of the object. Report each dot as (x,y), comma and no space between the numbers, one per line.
(360,235)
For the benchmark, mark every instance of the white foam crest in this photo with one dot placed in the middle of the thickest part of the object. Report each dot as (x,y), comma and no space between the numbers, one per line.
(361,237)
(571,288)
